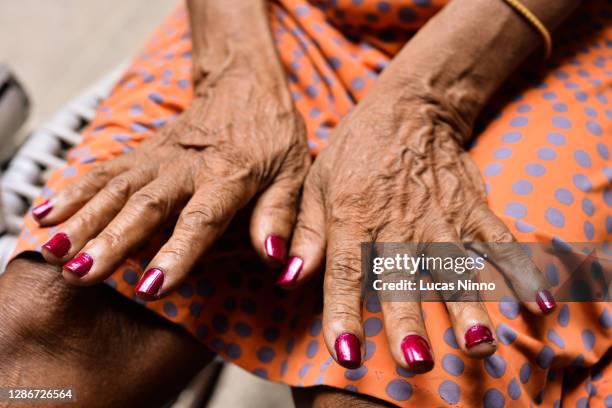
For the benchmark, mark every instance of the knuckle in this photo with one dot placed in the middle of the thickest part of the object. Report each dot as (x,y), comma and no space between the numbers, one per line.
(119,187)
(408,319)
(110,239)
(152,203)
(198,217)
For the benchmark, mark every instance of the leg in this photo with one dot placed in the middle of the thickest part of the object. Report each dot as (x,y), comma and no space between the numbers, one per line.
(112,351)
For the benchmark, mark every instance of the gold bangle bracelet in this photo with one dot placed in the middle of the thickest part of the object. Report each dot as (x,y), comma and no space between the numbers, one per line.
(535,23)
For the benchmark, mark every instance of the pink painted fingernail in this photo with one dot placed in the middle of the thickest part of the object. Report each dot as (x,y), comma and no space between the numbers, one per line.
(348,350)
(291,271)
(478,334)
(417,353)
(545,301)
(39,212)
(80,264)
(276,248)
(58,245)
(149,284)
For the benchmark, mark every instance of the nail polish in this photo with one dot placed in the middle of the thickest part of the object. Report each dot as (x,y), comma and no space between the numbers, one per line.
(291,271)
(149,283)
(348,350)
(478,334)
(39,212)
(417,353)
(58,245)
(275,248)
(545,301)
(80,264)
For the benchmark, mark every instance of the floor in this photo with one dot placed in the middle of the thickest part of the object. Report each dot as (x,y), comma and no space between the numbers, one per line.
(56,49)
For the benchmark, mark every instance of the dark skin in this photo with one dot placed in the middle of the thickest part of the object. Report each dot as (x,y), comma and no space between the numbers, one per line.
(424,106)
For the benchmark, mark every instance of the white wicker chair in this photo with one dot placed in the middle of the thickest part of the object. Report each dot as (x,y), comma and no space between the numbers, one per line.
(44,151)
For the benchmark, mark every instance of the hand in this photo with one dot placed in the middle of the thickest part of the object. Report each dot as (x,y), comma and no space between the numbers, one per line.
(395,171)
(239,138)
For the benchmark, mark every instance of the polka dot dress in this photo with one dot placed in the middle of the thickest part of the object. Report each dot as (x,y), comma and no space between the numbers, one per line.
(544,153)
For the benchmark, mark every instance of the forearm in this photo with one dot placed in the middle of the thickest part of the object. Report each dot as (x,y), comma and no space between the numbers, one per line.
(464,53)
(234,38)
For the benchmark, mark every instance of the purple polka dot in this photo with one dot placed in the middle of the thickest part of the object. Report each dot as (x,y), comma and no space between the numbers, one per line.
(535,169)
(265,354)
(556,139)
(525,373)
(201,332)
(505,334)
(545,357)
(514,389)
(564,196)
(449,338)
(372,303)
(522,187)
(560,107)
(399,390)
(551,274)
(156,98)
(582,403)
(370,349)
(195,309)
(452,364)
(502,153)
(351,388)
(372,326)
(170,309)
(589,230)
(404,373)
(493,169)
(522,226)
(608,196)
(495,366)
(512,137)
(516,210)
(449,392)
(594,128)
(315,327)
(205,288)
(407,15)
(602,150)
(561,122)
(233,351)
(519,121)
(547,154)
(220,323)
(588,207)
(357,84)
(130,276)
(311,91)
(582,182)
(383,6)
(271,334)
(493,399)
(605,319)
(356,374)
(582,158)
(509,307)
(185,290)
(261,373)
(588,339)
(555,338)
(554,217)
(312,349)
(549,95)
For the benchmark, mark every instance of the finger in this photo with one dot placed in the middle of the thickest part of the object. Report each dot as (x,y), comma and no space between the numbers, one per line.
(201,222)
(342,327)
(308,242)
(95,215)
(469,317)
(275,213)
(506,254)
(68,200)
(142,215)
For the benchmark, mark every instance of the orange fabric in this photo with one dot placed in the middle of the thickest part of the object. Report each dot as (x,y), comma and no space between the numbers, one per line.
(545,158)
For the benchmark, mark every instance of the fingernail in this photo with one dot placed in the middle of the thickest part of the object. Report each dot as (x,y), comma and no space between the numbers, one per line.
(291,271)
(149,284)
(478,334)
(275,247)
(417,353)
(545,301)
(39,212)
(58,245)
(348,350)
(80,264)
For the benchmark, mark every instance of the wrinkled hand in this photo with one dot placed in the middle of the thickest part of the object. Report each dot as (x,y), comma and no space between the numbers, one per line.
(395,171)
(239,138)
